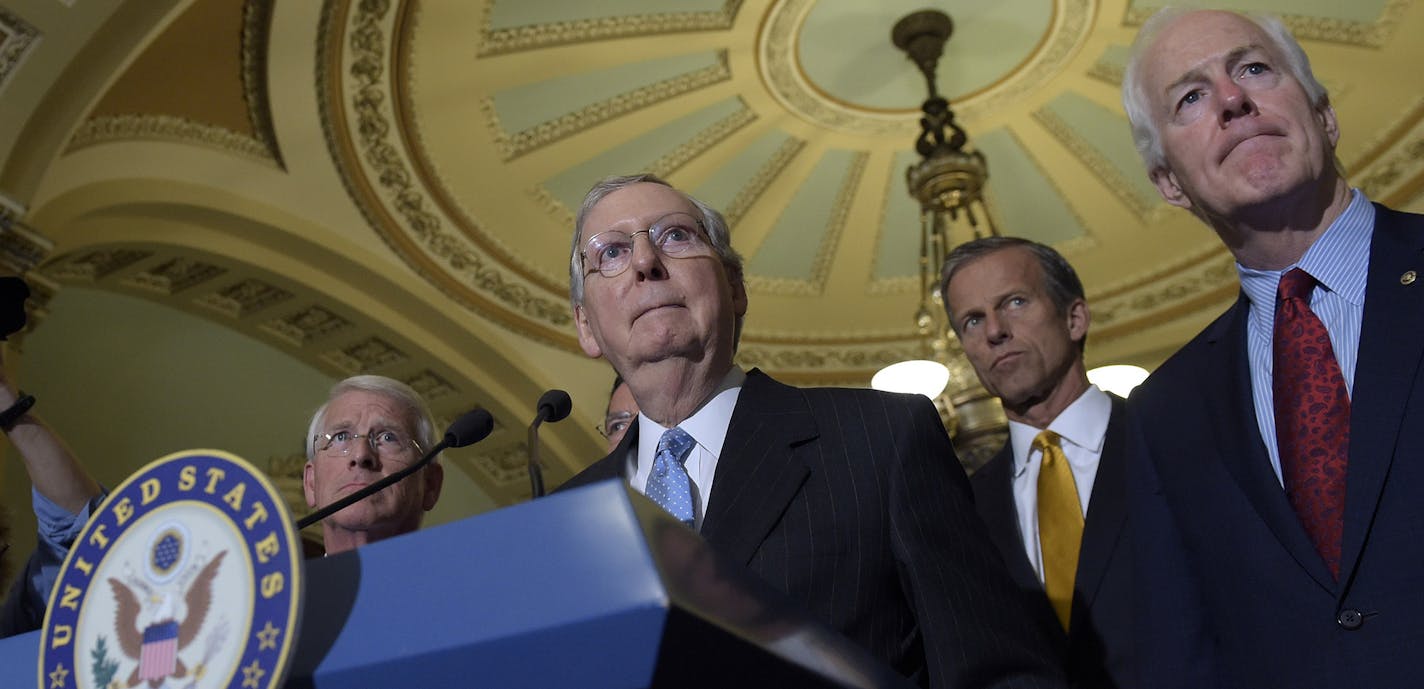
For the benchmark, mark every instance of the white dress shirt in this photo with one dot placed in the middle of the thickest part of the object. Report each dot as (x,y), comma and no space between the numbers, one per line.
(707,426)
(1081,429)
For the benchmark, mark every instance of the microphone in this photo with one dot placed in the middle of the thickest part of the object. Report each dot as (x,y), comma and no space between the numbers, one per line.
(472,427)
(554,406)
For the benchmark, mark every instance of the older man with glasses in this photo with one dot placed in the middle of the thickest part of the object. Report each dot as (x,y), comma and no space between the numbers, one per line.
(369,428)
(850,502)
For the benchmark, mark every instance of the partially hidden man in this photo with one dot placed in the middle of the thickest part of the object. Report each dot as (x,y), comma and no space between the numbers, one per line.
(1054,498)
(849,501)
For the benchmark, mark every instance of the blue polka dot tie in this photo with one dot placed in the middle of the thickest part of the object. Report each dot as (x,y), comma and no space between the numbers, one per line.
(669,485)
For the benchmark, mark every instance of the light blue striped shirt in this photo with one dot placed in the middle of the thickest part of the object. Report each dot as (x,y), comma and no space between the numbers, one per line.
(1339,261)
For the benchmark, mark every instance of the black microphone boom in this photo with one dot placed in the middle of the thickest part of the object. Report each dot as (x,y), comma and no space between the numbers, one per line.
(554,405)
(472,427)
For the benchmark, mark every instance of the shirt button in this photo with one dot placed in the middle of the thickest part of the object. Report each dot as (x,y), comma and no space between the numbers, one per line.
(1350,619)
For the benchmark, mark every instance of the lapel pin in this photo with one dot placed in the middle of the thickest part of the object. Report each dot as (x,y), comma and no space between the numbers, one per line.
(1408,277)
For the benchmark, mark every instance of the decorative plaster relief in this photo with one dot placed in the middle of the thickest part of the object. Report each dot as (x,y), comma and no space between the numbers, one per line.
(175,275)
(387,190)
(763,178)
(1328,29)
(430,385)
(776,58)
(512,146)
(306,326)
(366,356)
(702,141)
(167,128)
(496,42)
(244,298)
(17,38)
(825,253)
(92,266)
(504,466)
(1097,163)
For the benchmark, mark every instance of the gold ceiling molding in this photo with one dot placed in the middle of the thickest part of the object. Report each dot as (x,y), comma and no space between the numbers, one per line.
(1387,139)
(826,363)
(512,146)
(903,284)
(1086,240)
(1207,280)
(815,285)
(110,128)
(244,298)
(663,167)
(1326,29)
(367,143)
(777,62)
(504,467)
(175,275)
(270,308)
(16,38)
(702,141)
(500,41)
(366,356)
(1091,158)
(1107,71)
(302,327)
(1072,22)
(1400,166)
(256,30)
(757,185)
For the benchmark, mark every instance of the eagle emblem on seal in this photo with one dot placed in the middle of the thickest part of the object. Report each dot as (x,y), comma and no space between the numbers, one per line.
(158,618)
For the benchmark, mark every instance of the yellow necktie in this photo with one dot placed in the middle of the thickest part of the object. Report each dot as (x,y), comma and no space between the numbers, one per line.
(1060,524)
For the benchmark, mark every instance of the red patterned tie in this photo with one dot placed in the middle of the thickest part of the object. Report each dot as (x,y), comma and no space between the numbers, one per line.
(1312,417)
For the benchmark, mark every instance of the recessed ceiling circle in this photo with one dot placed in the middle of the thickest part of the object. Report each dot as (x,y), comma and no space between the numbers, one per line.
(831,62)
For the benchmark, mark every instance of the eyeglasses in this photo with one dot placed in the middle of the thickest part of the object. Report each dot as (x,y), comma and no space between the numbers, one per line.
(386,444)
(610,252)
(615,423)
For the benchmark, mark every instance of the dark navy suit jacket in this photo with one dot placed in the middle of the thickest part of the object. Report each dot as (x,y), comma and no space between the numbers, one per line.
(851,502)
(1230,591)
(1097,650)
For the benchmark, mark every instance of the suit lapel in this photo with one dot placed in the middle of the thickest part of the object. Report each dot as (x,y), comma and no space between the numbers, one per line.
(758,473)
(996,504)
(1391,342)
(1237,439)
(1107,508)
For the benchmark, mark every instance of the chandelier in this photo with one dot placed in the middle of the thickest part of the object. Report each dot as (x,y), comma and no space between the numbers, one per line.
(948,182)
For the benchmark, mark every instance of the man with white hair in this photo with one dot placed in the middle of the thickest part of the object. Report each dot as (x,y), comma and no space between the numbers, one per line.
(1275,489)
(850,502)
(369,428)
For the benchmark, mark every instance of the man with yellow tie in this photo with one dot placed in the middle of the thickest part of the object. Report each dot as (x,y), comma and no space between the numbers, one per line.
(1054,496)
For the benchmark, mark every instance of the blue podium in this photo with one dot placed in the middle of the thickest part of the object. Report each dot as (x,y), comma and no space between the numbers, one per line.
(596,587)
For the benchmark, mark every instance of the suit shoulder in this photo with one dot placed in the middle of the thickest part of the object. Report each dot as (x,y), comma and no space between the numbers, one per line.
(1187,364)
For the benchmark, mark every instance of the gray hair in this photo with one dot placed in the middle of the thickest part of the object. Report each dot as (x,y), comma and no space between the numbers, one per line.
(393,390)
(718,234)
(1134,93)
(1059,278)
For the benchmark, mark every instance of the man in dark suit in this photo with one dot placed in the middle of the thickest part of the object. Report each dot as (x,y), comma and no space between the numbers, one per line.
(1275,479)
(1054,498)
(848,501)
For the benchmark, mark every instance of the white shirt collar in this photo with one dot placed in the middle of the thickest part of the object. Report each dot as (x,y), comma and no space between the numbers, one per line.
(1084,423)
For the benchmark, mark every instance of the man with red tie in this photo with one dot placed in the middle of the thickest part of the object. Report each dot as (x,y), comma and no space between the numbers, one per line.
(1274,481)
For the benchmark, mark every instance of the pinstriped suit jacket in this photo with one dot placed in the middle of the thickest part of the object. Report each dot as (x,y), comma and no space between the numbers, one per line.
(852,503)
